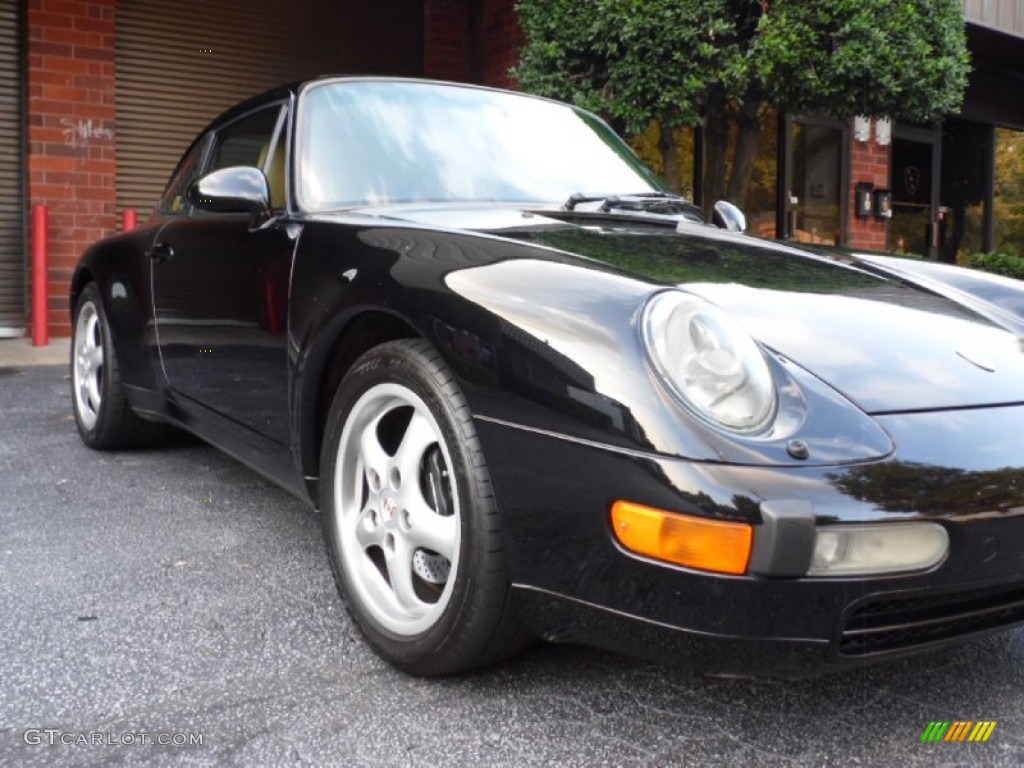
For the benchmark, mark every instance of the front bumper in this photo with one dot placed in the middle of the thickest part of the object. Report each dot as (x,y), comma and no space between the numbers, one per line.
(578,584)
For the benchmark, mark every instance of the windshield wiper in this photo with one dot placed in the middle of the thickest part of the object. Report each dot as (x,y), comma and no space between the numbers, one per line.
(639,201)
(664,203)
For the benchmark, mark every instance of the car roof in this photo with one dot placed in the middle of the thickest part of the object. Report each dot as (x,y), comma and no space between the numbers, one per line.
(304,84)
(287,90)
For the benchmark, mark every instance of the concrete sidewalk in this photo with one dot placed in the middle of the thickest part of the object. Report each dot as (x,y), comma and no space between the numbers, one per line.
(19,353)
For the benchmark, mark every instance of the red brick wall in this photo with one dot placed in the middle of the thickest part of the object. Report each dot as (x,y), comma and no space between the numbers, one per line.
(868,162)
(71,112)
(447,40)
(474,41)
(500,39)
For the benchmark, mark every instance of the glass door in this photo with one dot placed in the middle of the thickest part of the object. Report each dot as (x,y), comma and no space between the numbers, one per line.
(812,197)
(815,182)
(914,227)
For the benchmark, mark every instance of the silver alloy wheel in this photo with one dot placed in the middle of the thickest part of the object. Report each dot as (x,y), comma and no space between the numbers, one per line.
(88,350)
(397,512)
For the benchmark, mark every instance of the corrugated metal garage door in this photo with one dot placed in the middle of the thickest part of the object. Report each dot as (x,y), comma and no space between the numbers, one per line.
(12,251)
(180,63)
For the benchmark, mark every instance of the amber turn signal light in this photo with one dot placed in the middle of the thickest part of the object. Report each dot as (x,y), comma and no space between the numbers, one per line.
(696,542)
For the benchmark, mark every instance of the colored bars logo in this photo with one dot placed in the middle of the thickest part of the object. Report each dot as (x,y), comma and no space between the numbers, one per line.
(958,730)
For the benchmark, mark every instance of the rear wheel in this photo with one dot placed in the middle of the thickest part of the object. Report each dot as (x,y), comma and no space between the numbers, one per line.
(104,418)
(409,516)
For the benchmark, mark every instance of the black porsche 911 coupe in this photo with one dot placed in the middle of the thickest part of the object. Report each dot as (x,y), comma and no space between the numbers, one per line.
(535,395)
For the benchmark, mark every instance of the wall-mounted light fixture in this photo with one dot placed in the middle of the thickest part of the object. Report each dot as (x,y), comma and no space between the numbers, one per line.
(864,200)
(883,203)
(861,128)
(883,131)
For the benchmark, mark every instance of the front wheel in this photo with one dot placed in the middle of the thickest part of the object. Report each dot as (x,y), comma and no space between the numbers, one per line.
(409,516)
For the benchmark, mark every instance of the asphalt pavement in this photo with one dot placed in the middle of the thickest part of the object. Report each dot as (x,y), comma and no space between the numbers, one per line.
(170,607)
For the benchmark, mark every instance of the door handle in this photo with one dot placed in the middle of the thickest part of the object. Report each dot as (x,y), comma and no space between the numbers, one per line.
(160,252)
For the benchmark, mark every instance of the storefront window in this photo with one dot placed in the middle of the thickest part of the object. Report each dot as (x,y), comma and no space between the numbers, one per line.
(815,184)
(648,145)
(745,172)
(759,200)
(1008,192)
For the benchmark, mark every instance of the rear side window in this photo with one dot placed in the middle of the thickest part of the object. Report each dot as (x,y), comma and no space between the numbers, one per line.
(246,141)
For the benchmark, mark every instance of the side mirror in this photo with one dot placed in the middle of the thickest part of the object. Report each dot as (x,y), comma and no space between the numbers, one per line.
(239,189)
(728,216)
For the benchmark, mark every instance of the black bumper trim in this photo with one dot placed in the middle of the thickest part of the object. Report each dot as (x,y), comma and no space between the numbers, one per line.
(559,618)
(886,624)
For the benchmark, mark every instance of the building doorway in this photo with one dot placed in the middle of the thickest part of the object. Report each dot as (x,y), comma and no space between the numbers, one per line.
(914,227)
(965,189)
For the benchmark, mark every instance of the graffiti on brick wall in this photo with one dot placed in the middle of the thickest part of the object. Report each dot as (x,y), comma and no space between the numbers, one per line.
(79,132)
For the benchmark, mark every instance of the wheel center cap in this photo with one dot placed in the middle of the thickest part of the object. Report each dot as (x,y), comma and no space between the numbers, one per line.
(388,509)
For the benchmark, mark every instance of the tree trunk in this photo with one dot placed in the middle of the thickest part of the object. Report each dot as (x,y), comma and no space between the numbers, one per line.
(716,147)
(748,143)
(670,157)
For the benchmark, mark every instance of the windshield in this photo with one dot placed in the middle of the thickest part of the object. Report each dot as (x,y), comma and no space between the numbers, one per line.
(386,142)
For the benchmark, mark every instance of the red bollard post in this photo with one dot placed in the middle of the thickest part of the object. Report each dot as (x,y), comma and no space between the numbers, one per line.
(131,220)
(40,275)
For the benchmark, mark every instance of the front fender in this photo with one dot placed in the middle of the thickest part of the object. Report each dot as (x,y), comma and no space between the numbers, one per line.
(538,338)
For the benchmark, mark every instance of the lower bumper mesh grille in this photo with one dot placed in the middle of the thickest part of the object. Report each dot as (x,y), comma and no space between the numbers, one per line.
(889,624)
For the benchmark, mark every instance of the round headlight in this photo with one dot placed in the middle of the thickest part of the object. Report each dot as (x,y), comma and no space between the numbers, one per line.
(709,361)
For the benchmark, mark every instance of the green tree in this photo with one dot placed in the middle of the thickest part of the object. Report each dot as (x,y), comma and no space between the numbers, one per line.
(723,62)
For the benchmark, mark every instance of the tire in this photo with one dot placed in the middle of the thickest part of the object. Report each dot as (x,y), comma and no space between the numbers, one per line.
(410,521)
(104,418)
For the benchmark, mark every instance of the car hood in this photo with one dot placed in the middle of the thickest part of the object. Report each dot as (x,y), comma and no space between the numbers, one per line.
(886,342)
(889,349)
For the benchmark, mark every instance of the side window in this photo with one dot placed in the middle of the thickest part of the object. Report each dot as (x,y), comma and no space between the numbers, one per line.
(257,140)
(173,201)
(245,141)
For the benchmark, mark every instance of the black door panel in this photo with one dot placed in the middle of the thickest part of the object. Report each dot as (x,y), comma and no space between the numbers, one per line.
(220,294)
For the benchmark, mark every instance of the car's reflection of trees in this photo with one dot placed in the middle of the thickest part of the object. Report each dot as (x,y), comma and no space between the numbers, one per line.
(909,487)
(669,257)
(521,363)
